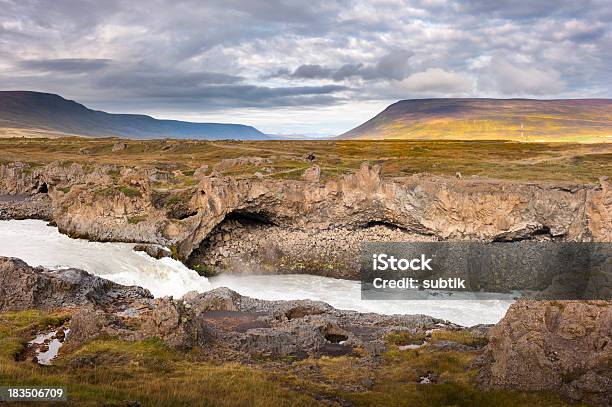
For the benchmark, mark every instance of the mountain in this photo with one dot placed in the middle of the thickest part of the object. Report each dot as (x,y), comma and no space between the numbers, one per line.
(584,120)
(35,113)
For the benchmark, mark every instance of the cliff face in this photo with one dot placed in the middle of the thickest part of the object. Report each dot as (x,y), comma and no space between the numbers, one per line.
(121,204)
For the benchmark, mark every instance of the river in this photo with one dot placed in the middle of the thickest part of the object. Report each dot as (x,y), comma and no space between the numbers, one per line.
(41,245)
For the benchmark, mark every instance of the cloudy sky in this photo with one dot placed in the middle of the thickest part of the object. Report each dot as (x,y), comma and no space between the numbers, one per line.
(301,67)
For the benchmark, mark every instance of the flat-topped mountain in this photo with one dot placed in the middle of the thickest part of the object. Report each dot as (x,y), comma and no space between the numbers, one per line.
(46,114)
(583,120)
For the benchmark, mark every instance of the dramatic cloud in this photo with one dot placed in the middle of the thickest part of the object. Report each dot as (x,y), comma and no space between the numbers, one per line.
(289,64)
(438,81)
(393,65)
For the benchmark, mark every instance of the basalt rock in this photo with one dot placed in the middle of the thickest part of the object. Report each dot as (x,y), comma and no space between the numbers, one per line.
(220,318)
(155,251)
(564,347)
(24,287)
(112,203)
(37,206)
(312,174)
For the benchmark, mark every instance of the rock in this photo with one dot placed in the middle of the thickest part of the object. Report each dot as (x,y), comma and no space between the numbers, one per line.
(556,346)
(89,323)
(23,287)
(37,206)
(168,321)
(348,210)
(228,163)
(312,174)
(219,299)
(84,151)
(119,146)
(310,157)
(153,250)
(220,317)
(201,171)
(451,346)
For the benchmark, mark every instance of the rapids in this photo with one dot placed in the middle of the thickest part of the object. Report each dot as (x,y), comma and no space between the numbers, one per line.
(41,245)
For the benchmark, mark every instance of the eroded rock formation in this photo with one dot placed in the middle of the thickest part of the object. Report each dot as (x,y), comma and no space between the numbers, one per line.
(124,204)
(220,319)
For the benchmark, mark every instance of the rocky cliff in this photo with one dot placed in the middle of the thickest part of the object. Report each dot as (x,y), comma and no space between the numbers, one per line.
(312,225)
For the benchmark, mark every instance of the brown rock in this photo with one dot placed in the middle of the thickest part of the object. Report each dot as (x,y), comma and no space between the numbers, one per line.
(119,146)
(312,174)
(563,346)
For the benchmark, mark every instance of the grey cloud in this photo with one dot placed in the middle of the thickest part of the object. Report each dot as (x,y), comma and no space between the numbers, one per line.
(311,72)
(519,80)
(69,65)
(525,9)
(393,65)
(159,77)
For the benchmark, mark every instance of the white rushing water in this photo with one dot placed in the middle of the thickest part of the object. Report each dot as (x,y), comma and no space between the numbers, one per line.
(40,245)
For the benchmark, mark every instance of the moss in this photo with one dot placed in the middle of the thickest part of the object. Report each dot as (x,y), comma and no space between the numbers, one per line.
(130,192)
(204,270)
(463,337)
(401,338)
(65,190)
(134,220)
(109,371)
(174,252)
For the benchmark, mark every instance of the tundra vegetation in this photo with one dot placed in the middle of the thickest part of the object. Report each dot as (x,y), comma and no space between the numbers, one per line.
(150,373)
(289,159)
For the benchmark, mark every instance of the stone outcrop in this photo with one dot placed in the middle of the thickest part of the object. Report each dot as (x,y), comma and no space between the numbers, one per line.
(219,319)
(24,287)
(153,250)
(119,146)
(555,346)
(37,206)
(111,203)
(312,174)
(564,347)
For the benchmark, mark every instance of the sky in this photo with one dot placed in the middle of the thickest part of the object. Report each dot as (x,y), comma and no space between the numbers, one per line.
(316,67)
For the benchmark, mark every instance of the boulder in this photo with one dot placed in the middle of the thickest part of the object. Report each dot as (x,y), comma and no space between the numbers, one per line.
(23,287)
(312,174)
(119,146)
(561,346)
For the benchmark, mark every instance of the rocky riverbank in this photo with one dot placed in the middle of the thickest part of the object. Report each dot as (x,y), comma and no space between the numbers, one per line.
(220,318)
(216,222)
(562,347)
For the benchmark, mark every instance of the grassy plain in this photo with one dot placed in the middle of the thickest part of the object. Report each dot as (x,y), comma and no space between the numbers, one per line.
(492,159)
(111,372)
